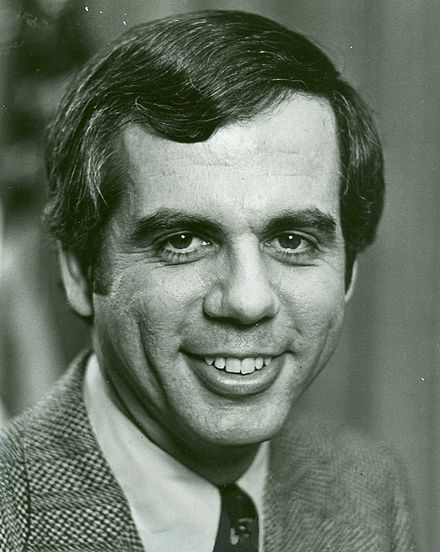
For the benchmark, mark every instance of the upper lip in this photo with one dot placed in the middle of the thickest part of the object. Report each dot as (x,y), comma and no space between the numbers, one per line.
(232,354)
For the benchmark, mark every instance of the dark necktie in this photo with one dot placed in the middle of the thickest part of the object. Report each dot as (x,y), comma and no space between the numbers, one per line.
(238,528)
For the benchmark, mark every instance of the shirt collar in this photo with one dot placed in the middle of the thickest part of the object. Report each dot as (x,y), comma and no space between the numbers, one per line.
(173,508)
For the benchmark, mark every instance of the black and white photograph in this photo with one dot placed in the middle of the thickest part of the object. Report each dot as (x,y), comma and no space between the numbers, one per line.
(219,276)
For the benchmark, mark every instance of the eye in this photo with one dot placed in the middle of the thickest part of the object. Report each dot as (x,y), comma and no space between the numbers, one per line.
(181,246)
(290,240)
(292,246)
(183,241)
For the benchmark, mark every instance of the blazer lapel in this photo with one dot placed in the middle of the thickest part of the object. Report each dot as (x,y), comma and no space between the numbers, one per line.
(308,508)
(75,501)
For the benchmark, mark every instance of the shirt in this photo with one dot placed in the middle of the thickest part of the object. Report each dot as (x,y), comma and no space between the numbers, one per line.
(173,508)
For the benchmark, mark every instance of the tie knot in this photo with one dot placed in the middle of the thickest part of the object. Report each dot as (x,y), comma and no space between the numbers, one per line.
(237,503)
(239,519)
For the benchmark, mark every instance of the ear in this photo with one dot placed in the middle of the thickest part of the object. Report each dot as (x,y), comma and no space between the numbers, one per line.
(350,290)
(76,283)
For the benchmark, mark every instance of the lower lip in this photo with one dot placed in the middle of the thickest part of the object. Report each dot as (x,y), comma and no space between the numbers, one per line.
(230,385)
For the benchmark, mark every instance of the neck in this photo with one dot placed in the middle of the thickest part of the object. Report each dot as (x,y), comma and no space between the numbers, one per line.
(217,464)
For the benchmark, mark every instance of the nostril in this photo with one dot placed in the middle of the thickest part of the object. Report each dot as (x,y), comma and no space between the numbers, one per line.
(240,308)
(243,293)
(251,307)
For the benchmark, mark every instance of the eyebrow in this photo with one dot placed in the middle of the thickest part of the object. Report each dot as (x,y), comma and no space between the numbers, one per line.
(306,219)
(166,220)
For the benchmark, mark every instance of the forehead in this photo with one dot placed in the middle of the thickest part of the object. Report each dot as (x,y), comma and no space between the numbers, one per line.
(290,151)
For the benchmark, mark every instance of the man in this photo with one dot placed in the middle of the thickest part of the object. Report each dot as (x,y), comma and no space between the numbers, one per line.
(212,181)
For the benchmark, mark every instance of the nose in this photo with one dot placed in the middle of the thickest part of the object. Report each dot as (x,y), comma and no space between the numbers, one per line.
(243,291)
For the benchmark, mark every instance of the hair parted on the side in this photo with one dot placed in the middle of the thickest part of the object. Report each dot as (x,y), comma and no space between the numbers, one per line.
(184,77)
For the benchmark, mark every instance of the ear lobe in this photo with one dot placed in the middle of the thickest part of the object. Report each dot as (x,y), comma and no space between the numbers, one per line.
(76,283)
(350,290)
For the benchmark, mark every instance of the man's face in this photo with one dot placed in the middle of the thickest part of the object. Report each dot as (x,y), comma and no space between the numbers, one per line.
(224,273)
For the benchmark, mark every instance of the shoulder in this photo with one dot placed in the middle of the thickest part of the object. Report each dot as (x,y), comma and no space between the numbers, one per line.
(347,477)
(13,484)
(34,434)
(50,420)
(343,452)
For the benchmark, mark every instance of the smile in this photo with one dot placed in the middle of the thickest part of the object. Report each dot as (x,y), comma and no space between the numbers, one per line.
(234,365)
(237,375)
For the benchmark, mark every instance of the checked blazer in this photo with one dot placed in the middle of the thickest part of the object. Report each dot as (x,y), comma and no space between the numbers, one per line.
(325,492)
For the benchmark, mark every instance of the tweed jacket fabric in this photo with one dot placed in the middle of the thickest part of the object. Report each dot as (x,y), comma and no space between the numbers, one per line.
(324,492)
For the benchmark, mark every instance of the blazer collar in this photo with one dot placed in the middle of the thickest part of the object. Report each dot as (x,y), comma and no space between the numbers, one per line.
(75,501)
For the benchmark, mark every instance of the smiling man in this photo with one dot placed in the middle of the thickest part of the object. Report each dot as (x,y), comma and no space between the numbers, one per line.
(212,181)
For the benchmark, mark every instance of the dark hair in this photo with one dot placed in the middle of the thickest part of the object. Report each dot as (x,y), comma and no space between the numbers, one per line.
(184,77)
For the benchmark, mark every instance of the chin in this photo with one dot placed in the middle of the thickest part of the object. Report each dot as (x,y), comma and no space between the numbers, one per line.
(240,435)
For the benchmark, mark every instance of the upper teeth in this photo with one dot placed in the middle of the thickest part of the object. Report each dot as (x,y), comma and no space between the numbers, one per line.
(238,366)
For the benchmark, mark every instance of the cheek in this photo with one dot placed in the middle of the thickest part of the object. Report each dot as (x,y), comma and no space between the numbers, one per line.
(151,302)
(315,302)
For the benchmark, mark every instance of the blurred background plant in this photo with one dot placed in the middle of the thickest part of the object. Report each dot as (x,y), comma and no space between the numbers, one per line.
(41,43)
